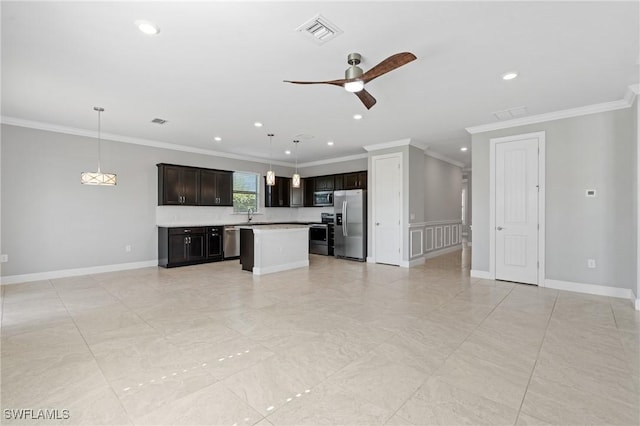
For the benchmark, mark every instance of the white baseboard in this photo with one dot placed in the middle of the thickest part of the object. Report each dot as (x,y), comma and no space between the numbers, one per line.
(600,290)
(370,259)
(63,273)
(280,268)
(413,262)
(436,253)
(485,275)
(635,300)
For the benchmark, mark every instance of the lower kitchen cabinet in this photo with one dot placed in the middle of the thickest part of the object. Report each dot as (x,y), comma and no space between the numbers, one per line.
(215,243)
(188,246)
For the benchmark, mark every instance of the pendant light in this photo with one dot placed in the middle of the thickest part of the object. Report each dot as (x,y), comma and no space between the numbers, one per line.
(98,178)
(295,180)
(271,176)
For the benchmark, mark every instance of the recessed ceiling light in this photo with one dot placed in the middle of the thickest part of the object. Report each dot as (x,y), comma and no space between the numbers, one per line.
(257,124)
(147,27)
(287,152)
(217,138)
(463,149)
(357,117)
(509,75)
(330,143)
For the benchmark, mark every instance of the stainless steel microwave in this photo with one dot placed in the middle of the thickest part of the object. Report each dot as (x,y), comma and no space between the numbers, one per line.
(323,198)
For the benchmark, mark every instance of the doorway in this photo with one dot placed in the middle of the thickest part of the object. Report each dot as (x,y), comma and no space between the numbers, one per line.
(517,225)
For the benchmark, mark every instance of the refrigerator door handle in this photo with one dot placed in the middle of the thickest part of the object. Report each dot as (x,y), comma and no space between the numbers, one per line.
(345,219)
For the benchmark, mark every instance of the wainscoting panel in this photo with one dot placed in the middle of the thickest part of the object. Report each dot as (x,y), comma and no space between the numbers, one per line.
(428,232)
(416,241)
(431,238)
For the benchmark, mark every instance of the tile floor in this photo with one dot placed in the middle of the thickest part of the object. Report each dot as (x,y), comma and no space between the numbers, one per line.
(339,343)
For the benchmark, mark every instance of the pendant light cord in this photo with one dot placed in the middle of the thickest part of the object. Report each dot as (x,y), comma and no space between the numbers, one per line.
(296,142)
(270,149)
(99,110)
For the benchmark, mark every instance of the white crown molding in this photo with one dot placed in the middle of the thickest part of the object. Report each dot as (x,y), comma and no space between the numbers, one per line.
(443,158)
(626,102)
(333,160)
(131,140)
(387,145)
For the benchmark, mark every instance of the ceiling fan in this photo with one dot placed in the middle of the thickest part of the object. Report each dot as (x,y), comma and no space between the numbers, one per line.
(355,79)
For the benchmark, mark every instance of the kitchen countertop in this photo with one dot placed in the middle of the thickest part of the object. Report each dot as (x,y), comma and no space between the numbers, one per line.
(191,224)
(273,227)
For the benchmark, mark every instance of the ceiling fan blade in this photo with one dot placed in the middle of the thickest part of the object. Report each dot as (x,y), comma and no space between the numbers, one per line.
(333,82)
(366,98)
(389,64)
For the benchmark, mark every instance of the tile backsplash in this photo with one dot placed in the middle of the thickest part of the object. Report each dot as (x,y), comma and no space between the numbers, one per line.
(199,215)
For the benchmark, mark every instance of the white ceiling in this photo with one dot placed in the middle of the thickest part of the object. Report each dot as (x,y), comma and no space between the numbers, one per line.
(217,67)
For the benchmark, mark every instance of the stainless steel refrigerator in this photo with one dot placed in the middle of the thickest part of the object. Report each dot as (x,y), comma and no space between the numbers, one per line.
(350,224)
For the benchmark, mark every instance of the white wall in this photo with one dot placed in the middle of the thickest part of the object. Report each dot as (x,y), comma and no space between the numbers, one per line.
(596,151)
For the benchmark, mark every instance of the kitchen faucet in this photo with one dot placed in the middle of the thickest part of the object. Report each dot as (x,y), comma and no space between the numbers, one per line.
(249,214)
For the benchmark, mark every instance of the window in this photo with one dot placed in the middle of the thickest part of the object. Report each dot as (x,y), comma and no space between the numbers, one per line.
(245,191)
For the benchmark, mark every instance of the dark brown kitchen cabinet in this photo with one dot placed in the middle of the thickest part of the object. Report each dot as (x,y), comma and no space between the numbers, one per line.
(324,183)
(278,195)
(338,182)
(309,189)
(193,186)
(177,185)
(357,180)
(181,246)
(216,188)
(215,243)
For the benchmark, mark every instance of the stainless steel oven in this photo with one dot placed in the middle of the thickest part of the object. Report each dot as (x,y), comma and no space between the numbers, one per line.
(321,235)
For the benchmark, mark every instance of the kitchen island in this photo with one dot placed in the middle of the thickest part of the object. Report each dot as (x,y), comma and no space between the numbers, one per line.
(265,249)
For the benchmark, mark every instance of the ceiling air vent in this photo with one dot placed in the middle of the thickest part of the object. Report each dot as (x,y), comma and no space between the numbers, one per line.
(158,121)
(510,113)
(319,30)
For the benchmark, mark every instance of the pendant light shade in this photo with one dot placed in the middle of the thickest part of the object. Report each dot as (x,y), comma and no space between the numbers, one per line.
(295,179)
(271,176)
(98,178)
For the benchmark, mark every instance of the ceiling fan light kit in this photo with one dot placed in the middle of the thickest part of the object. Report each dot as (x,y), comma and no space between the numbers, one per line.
(355,79)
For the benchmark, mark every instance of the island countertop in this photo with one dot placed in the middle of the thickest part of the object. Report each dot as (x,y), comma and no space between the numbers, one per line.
(272,227)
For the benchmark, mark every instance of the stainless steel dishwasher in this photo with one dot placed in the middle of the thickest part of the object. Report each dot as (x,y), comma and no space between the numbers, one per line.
(231,242)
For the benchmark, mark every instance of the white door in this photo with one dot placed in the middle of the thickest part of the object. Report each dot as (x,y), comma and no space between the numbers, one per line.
(387,204)
(516,210)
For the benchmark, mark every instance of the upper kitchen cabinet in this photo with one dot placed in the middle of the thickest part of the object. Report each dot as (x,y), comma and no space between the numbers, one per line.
(309,188)
(216,188)
(324,183)
(177,185)
(357,180)
(192,186)
(278,195)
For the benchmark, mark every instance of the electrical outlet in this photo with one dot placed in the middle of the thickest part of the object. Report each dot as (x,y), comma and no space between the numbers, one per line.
(127,248)
(4,258)
(591,263)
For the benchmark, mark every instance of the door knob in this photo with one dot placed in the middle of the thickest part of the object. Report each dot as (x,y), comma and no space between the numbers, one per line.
(377,223)
(499,228)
